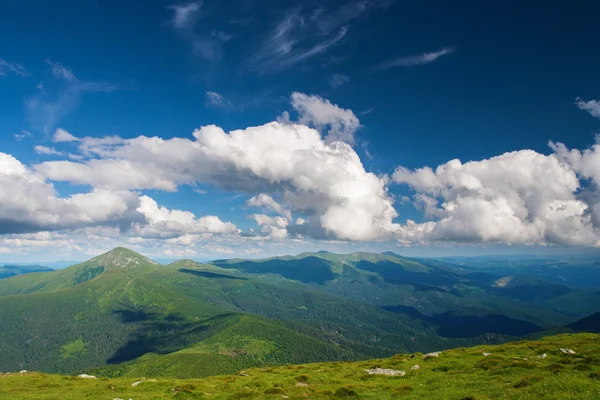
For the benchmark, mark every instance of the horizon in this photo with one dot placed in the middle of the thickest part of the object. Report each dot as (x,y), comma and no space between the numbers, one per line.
(320,127)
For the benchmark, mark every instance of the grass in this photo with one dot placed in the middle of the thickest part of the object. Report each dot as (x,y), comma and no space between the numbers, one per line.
(511,371)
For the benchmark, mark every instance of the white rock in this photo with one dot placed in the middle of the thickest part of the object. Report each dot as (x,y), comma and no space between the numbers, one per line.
(134,384)
(384,371)
(434,354)
(23,372)
(415,367)
(86,376)
(486,354)
(567,351)
(542,355)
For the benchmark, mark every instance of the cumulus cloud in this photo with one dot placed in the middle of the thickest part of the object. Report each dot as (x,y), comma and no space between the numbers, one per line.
(162,222)
(591,106)
(412,61)
(61,135)
(325,181)
(266,201)
(321,113)
(30,204)
(273,227)
(522,197)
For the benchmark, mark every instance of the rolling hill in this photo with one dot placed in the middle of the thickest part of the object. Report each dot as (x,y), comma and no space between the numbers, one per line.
(123,314)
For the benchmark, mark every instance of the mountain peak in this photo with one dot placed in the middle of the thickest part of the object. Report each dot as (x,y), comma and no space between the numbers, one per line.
(121,257)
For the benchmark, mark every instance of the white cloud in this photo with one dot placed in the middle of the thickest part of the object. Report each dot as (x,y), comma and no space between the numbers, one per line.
(61,135)
(215,100)
(521,197)
(592,106)
(23,135)
(326,181)
(48,151)
(185,14)
(273,227)
(31,204)
(162,222)
(411,61)
(337,80)
(9,66)
(266,201)
(61,72)
(320,113)
(301,35)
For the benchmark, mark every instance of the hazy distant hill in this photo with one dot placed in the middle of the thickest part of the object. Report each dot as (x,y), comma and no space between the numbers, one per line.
(8,270)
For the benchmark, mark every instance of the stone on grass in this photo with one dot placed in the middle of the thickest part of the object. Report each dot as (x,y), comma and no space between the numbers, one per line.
(435,354)
(415,367)
(486,354)
(384,371)
(86,376)
(542,355)
(567,351)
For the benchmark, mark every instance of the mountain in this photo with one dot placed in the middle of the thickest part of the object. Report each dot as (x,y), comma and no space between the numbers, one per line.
(8,270)
(519,370)
(121,306)
(123,314)
(420,287)
(590,323)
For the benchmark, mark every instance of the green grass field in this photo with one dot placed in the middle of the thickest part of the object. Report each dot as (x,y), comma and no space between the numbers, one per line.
(511,371)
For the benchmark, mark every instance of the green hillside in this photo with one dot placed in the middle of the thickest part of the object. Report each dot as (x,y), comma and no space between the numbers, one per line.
(516,370)
(124,314)
(121,306)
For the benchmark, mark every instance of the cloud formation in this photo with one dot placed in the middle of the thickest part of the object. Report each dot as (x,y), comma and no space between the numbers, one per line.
(591,106)
(322,114)
(7,67)
(412,61)
(324,180)
(522,197)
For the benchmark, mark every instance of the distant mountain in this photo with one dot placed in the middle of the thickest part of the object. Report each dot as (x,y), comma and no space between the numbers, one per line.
(591,323)
(8,270)
(123,314)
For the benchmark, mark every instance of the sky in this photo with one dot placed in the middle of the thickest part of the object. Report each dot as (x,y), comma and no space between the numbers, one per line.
(257,128)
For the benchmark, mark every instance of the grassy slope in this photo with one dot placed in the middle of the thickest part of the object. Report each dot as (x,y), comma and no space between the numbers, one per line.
(246,341)
(512,371)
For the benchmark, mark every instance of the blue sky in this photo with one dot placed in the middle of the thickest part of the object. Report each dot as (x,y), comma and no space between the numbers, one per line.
(402,85)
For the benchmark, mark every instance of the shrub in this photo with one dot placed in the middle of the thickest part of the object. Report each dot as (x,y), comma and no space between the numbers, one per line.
(527,381)
(344,392)
(274,390)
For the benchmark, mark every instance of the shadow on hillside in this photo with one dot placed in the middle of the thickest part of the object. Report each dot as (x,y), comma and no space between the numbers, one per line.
(212,275)
(456,326)
(434,280)
(307,270)
(162,335)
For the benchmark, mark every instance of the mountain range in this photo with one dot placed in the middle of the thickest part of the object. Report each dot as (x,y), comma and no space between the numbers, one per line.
(122,314)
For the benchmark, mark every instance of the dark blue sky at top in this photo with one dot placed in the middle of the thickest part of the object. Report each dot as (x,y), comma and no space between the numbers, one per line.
(511,83)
